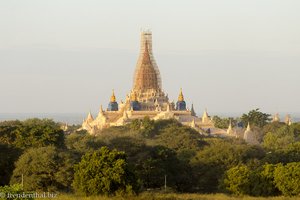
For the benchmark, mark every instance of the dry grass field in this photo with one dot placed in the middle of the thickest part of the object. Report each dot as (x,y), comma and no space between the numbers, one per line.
(173,196)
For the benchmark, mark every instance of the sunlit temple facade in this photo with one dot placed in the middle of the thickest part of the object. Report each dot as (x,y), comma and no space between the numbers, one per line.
(146,98)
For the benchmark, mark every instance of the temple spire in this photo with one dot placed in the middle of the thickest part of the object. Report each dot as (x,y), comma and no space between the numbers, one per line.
(248,127)
(100,110)
(146,57)
(180,97)
(230,130)
(89,118)
(168,107)
(147,76)
(193,124)
(288,119)
(113,97)
(193,113)
(276,118)
(205,117)
(205,114)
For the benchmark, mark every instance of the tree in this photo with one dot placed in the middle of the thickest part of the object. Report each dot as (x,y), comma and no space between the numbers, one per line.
(244,180)
(147,127)
(219,155)
(9,155)
(223,122)
(15,190)
(38,133)
(262,181)
(103,172)
(237,180)
(272,127)
(156,162)
(296,130)
(130,145)
(7,131)
(287,154)
(257,118)
(287,178)
(180,138)
(280,139)
(83,142)
(44,169)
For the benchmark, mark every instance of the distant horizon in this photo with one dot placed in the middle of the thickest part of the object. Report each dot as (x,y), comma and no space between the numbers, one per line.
(76,118)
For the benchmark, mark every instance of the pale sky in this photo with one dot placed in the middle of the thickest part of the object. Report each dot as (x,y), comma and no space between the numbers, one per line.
(65,56)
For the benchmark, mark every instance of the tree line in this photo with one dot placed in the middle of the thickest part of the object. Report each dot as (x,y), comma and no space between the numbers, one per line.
(149,155)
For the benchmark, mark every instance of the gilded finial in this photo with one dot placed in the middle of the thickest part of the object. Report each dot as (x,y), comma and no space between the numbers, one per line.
(113,97)
(180,97)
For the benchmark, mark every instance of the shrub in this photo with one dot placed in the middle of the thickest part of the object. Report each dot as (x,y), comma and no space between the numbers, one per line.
(103,172)
(287,178)
(44,169)
(237,180)
(14,192)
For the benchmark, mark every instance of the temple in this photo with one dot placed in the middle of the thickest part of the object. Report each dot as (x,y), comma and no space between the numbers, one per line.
(146,98)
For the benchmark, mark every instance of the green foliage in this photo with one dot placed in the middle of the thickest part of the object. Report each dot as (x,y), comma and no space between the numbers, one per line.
(291,153)
(16,136)
(156,163)
(39,133)
(180,138)
(7,131)
(296,130)
(158,195)
(14,192)
(287,178)
(268,180)
(154,149)
(237,180)
(218,156)
(103,172)
(44,169)
(243,180)
(223,122)
(8,155)
(256,117)
(150,128)
(280,139)
(31,133)
(132,146)
(283,145)
(272,127)
(83,142)
(147,127)
(262,181)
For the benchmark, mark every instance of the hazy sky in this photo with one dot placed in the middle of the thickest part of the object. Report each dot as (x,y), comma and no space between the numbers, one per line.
(65,56)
